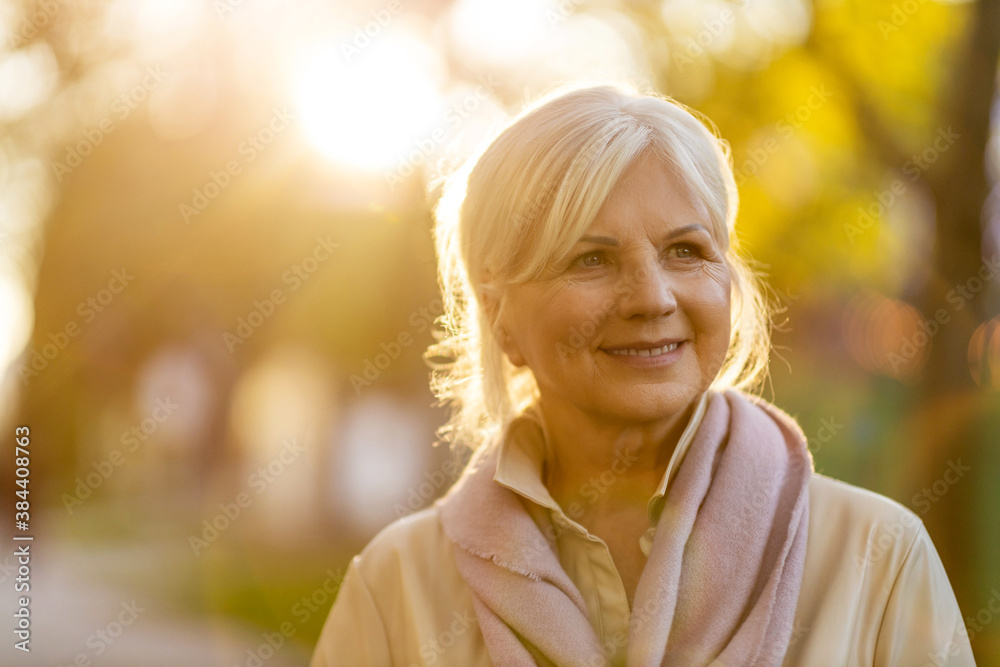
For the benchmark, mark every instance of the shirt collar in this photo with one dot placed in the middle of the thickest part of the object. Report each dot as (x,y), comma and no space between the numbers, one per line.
(522,455)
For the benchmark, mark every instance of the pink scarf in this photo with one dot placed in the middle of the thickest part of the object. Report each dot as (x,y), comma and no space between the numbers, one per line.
(723,574)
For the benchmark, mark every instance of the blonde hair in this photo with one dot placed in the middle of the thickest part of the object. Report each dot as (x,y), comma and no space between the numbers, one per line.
(528,197)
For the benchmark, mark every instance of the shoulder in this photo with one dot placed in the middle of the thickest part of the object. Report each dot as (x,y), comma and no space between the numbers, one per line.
(409,570)
(874,590)
(398,595)
(404,545)
(401,600)
(838,501)
(846,519)
(858,538)
(407,566)
(411,563)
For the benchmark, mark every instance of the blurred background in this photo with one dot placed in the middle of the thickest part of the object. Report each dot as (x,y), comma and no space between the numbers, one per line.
(217,277)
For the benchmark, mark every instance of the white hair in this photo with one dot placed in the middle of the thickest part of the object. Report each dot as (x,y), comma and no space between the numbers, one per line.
(528,197)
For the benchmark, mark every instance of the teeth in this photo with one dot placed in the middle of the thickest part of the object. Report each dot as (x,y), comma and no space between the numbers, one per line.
(655,352)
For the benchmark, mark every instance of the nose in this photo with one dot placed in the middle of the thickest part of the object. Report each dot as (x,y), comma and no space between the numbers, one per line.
(647,292)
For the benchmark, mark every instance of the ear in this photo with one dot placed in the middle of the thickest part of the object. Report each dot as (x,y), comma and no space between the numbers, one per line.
(509,346)
(491,303)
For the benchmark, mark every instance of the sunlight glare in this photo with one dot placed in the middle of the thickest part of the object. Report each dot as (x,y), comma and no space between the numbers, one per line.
(368,112)
(16,318)
(158,29)
(505,31)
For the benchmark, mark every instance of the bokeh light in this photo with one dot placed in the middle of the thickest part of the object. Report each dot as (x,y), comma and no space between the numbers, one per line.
(885,336)
(27,78)
(984,354)
(17,315)
(350,104)
(504,33)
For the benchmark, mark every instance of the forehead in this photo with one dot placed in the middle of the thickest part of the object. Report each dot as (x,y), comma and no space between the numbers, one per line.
(649,198)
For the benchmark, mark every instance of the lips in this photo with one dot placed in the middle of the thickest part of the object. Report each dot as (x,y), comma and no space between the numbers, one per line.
(645,348)
(645,352)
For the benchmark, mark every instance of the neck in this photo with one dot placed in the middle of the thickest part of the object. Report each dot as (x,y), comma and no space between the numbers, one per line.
(602,465)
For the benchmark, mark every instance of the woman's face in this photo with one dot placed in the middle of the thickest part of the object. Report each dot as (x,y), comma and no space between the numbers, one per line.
(635,324)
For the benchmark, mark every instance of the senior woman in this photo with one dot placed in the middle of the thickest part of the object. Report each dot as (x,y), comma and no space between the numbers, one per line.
(626,503)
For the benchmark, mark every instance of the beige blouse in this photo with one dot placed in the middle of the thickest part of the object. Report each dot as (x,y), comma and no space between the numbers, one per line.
(874,591)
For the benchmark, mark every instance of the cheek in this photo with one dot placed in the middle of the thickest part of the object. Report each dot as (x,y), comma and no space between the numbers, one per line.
(711,324)
(559,326)
(711,310)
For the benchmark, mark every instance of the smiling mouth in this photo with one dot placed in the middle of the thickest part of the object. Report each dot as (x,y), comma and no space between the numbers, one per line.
(635,352)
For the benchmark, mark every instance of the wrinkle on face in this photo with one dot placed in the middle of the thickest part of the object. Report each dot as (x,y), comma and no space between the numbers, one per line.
(633,283)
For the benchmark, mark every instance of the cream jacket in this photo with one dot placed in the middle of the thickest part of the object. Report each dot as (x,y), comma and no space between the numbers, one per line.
(874,591)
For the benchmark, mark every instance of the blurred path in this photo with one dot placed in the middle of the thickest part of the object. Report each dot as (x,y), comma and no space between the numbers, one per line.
(76,616)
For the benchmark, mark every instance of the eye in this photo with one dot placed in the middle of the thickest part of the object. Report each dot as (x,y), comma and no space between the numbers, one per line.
(684,251)
(590,259)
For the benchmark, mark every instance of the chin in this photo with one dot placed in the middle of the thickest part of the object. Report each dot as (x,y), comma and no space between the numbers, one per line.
(639,407)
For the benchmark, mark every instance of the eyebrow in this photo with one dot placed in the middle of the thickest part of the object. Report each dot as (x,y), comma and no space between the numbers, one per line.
(611,241)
